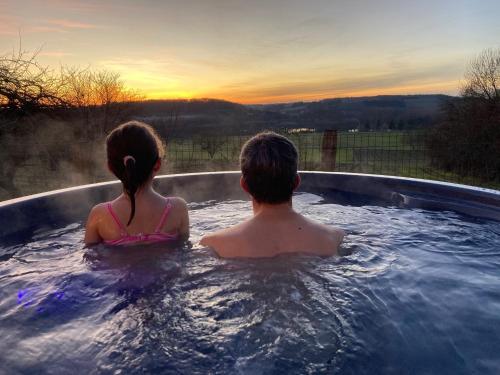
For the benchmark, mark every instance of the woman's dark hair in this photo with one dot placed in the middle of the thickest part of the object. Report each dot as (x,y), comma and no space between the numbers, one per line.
(269,166)
(133,149)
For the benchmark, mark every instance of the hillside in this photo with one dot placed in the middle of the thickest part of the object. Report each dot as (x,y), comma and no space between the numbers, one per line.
(181,117)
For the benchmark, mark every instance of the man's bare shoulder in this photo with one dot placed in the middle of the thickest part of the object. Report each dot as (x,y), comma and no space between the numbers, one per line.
(324,228)
(334,234)
(337,232)
(225,241)
(326,236)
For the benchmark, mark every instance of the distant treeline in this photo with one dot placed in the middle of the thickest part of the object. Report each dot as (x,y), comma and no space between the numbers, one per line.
(180,118)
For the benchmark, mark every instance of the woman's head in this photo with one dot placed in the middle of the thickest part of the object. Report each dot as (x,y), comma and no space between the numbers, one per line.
(133,150)
(269,167)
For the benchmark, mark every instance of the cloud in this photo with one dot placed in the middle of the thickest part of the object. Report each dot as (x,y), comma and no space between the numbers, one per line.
(127,65)
(79,6)
(443,78)
(55,54)
(69,24)
(6,30)
(151,69)
(315,22)
(7,25)
(10,26)
(142,73)
(43,29)
(60,26)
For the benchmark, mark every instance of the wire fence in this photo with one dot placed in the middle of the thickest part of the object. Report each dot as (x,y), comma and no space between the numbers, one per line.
(40,167)
(393,153)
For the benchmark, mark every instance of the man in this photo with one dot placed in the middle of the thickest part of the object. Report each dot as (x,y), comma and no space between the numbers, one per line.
(269,174)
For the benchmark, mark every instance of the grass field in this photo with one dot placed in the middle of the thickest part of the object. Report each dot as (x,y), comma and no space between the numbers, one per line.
(390,153)
(225,149)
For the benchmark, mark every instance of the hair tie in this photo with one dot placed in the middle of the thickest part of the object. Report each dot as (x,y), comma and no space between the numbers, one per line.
(127,158)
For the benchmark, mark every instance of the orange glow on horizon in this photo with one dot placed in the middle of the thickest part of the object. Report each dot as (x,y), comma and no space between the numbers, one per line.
(445,87)
(170,95)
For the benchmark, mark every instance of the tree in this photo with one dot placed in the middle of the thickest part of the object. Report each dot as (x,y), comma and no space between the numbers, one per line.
(99,97)
(468,140)
(26,88)
(482,78)
(211,144)
(53,117)
(28,93)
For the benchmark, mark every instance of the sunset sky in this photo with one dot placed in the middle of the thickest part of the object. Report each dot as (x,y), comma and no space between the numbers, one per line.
(260,51)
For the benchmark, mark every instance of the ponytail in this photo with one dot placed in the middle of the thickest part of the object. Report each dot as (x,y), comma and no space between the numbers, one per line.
(133,149)
(130,183)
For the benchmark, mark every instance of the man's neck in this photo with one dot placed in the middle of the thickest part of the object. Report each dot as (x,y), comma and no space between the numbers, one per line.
(266,209)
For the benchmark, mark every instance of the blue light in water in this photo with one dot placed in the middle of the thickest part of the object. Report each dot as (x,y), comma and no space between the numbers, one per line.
(59,294)
(20,295)
(25,297)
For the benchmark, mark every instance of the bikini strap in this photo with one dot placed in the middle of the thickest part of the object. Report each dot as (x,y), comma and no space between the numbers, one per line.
(123,231)
(168,206)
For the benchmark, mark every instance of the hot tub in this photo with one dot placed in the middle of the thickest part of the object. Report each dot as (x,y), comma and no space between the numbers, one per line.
(21,216)
(417,291)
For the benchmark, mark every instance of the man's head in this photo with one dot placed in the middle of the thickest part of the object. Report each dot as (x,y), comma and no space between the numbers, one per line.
(268,163)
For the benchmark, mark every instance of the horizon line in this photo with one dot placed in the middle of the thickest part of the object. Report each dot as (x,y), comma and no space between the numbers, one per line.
(201,98)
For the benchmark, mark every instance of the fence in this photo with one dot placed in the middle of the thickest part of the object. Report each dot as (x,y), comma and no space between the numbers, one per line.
(389,153)
(405,154)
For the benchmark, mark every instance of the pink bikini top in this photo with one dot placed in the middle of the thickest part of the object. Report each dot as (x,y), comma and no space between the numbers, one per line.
(130,239)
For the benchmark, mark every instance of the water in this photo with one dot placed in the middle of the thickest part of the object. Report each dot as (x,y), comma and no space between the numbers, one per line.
(417,293)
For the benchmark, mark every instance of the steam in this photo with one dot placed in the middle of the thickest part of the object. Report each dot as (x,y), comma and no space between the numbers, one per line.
(49,156)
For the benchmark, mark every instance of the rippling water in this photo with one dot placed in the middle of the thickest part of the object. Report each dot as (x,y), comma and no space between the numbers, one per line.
(417,292)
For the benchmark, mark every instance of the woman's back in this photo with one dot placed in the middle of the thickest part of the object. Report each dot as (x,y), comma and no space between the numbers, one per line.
(134,155)
(165,230)
(156,219)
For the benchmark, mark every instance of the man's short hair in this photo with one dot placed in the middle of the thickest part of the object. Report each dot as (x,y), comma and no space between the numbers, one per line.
(268,163)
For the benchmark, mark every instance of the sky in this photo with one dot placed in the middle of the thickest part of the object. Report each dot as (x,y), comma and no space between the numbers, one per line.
(260,51)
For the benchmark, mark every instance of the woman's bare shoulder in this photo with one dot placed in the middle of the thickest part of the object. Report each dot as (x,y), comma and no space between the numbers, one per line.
(94,223)
(98,210)
(177,202)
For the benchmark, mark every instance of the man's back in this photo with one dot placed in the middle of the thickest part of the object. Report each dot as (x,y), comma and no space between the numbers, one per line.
(271,233)
(269,175)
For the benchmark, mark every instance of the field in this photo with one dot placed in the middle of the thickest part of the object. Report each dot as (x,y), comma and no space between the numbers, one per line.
(222,150)
(389,153)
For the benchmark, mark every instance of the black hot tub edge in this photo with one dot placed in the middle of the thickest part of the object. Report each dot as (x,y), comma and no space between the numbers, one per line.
(22,216)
